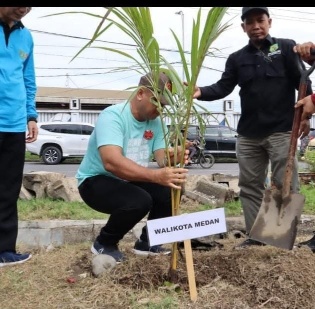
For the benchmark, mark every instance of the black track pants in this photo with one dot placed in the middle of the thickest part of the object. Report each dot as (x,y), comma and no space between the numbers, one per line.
(12,157)
(126,202)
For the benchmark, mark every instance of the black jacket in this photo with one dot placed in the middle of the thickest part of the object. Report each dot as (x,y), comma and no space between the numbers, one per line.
(267,79)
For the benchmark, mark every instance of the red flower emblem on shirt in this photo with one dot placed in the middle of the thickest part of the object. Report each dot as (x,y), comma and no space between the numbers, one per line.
(148,134)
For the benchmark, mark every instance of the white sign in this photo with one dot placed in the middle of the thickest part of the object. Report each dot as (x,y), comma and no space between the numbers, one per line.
(186,226)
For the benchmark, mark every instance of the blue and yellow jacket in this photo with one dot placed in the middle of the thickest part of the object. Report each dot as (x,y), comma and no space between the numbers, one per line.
(17,78)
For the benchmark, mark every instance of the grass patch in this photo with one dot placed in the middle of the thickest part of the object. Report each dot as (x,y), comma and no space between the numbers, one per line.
(47,209)
(31,157)
(35,158)
(234,208)
(309,192)
(225,160)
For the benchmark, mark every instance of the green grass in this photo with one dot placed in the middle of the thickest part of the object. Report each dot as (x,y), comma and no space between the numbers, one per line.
(35,158)
(45,209)
(31,157)
(48,209)
(310,159)
(234,208)
(309,192)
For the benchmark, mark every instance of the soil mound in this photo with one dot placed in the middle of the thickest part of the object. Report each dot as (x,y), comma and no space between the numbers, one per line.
(226,278)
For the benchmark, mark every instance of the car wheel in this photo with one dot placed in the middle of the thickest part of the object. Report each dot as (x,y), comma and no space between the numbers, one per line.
(51,155)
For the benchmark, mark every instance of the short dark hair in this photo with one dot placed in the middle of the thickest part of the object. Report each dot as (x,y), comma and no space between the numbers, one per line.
(163,82)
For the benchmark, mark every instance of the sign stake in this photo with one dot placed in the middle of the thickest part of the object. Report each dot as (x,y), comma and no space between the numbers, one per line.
(190,270)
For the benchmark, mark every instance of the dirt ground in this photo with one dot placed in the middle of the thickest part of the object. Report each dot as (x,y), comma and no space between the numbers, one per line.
(225,278)
(253,278)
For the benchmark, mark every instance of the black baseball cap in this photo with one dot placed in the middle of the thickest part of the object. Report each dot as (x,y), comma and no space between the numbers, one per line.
(245,11)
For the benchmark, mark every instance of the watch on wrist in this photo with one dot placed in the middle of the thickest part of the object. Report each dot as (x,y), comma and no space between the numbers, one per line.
(32,119)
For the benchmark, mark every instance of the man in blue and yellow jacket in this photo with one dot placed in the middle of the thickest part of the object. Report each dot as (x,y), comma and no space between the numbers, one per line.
(17,115)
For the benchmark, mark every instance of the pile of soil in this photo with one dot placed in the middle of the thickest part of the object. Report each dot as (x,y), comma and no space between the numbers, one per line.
(226,278)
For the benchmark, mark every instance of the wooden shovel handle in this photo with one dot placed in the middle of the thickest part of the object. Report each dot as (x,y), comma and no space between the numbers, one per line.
(295,130)
(293,144)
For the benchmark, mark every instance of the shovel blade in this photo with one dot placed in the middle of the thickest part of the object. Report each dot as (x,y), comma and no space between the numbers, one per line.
(277,219)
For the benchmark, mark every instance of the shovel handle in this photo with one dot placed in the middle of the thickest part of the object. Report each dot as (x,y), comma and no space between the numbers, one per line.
(293,144)
(295,128)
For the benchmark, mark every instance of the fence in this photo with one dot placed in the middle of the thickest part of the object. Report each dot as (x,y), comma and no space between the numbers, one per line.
(229,119)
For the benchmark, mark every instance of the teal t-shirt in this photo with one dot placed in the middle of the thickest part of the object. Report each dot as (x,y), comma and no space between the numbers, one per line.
(117,126)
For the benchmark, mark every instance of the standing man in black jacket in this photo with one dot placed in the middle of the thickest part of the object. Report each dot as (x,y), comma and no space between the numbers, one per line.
(267,73)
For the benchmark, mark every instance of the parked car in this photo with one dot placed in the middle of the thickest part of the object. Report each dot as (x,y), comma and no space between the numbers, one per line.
(219,140)
(57,141)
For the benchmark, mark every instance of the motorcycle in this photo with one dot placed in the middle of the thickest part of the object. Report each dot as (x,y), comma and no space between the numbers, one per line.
(205,160)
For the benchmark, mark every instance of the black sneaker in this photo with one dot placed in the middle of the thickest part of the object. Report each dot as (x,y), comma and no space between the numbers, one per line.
(12,258)
(142,248)
(310,243)
(111,250)
(248,243)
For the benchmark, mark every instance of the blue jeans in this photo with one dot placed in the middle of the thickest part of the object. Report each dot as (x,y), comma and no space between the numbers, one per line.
(253,157)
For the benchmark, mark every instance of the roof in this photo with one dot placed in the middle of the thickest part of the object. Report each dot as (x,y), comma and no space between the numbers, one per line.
(64,122)
(82,93)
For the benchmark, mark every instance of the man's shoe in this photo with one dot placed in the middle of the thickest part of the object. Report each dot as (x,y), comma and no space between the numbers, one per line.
(248,243)
(310,243)
(111,250)
(142,248)
(12,258)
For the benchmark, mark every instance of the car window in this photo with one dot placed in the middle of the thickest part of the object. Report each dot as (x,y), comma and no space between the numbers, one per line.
(51,128)
(212,131)
(191,132)
(87,130)
(71,129)
(227,132)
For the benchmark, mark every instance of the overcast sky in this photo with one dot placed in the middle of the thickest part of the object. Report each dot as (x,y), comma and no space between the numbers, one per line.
(58,38)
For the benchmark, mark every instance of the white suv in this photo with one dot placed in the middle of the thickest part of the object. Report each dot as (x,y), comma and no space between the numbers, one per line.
(57,141)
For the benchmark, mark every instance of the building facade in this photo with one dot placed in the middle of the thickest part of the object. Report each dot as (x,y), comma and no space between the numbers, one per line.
(84,105)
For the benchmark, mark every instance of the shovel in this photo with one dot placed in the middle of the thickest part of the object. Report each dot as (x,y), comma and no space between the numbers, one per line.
(280,211)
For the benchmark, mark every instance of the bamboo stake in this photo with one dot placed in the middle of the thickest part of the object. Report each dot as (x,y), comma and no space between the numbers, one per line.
(190,270)
(174,255)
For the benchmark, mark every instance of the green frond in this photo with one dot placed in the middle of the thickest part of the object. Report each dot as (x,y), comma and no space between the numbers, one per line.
(136,24)
(212,29)
(115,51)
(74,12)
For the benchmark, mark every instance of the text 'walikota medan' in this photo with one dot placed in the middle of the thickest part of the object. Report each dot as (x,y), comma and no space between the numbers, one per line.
(186,226)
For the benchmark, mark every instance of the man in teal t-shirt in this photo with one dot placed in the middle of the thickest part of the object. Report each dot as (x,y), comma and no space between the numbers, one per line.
(114,177)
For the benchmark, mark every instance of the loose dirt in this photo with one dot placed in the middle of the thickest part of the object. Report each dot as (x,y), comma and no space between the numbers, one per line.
(252,278)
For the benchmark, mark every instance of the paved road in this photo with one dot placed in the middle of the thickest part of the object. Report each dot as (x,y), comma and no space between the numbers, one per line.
(70,169)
